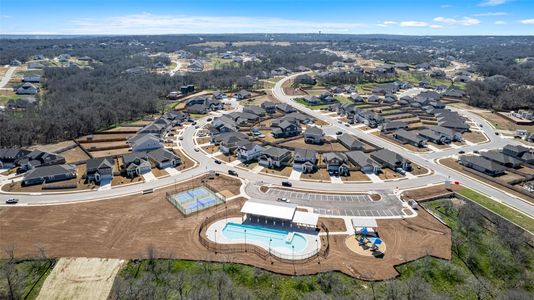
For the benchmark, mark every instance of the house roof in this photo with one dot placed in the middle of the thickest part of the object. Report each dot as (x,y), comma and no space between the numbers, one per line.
(306,154)
(430,134)
(500,157)
(483,162)
(410,136)
(361,159)
(334,155)
(349,141)
(313,130)
(276,152)
(388,156)
(161,155)
(100,163)
(46,171)
(145,138)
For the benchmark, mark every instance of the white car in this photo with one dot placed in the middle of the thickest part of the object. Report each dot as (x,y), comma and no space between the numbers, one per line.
(12,201)
(284,200)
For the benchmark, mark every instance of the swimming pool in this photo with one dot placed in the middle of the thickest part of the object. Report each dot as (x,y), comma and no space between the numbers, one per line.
(282,241)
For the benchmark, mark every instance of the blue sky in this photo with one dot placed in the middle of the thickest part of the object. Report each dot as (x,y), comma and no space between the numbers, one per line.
(415,17)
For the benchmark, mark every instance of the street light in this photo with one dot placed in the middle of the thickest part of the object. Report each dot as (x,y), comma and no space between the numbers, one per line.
(215,241)
(245,240)
(270,240)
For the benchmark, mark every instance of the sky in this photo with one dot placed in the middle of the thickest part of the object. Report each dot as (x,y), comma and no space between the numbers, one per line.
(409,17)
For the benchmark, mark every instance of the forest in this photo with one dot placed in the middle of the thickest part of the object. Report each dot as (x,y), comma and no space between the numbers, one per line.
(79,101)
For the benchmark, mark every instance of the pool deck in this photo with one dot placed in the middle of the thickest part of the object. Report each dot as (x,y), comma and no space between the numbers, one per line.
(313,241)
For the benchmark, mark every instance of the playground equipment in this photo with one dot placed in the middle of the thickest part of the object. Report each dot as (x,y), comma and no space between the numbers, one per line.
(374,243)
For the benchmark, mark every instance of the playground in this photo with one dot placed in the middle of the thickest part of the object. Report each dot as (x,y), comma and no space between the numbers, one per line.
(195,199)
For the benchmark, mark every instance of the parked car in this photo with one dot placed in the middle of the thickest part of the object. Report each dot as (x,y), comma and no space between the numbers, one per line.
(261,135)
(287,183)
(232,172)
(284,200)
(181,138)
(461,152)
(347,124)
(209,119)
(194,123)
(400,171)
(339,133)
(496,133)
(12,201)
(197,127)
(217,161)
(476,152)
(196,149)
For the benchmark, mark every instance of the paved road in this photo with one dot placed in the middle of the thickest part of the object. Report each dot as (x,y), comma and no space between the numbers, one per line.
(7,76)
(205,164)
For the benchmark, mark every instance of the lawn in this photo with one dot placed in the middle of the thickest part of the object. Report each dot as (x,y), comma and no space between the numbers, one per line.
(499,208)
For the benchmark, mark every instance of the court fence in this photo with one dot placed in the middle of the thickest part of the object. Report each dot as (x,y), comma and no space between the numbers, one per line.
(198,205)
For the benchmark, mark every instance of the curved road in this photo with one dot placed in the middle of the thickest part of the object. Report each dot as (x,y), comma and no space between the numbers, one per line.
(188,145)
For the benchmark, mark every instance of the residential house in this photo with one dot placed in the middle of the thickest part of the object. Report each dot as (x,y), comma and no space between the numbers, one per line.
(145,142)
(520,152)
(49,174)
(135,164)
(434,136)
(10,156)
(305,160)
(254,109)
(407,137)
(373,99)
(285,129)
(229,142)
(100,169)
(356,98)
(393,126)
(274,157)
(501,158)
(284,107)
(242,94)
(336,163)
(163,158)
(363,162)
(391,160)
(218,95)
(371,119)
(313,135)
(38,158)
(312,100)
(31,78)
(481,164)
(248,151)
(449,134)
(350,142)
(297,117)
(269,107)
(26,89)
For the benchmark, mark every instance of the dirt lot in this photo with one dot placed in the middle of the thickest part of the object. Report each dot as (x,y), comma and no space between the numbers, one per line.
(125,228)
(333,224)
(418,170)
(286,171)
(299,143)
(502,123)
(211,148)
(203,140)
(113,152)
(74,155)
(108,136)
(355,176)
(159,172)
(81,278)
(433,191)
(321,174)
(52,147)
(389,174)
(474,137)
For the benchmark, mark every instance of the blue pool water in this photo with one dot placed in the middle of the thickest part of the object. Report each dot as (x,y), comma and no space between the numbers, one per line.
(234,231)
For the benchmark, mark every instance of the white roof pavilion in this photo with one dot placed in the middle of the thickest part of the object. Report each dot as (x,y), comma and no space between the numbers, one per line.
(305,218)
(282,211)
(364,222)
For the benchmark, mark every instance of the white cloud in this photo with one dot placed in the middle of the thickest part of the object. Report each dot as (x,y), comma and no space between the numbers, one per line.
(386,23)
(147,23)
(491,14)
(414,24)
(500,23)
(492,2)
(445,6)
(436,26)
(466,21)
(527,21)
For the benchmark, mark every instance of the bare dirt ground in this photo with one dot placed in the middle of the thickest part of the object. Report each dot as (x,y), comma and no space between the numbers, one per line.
(74,155)
(428,192)
(355,176)
(125,228)
(81,278)
(333,224)
(327,147)
(474,137)
(52,147)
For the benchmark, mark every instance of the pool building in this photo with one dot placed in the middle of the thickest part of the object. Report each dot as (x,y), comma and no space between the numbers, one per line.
(277,213)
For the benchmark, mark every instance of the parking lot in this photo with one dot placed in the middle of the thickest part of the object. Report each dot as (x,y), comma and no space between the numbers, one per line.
(343,204)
